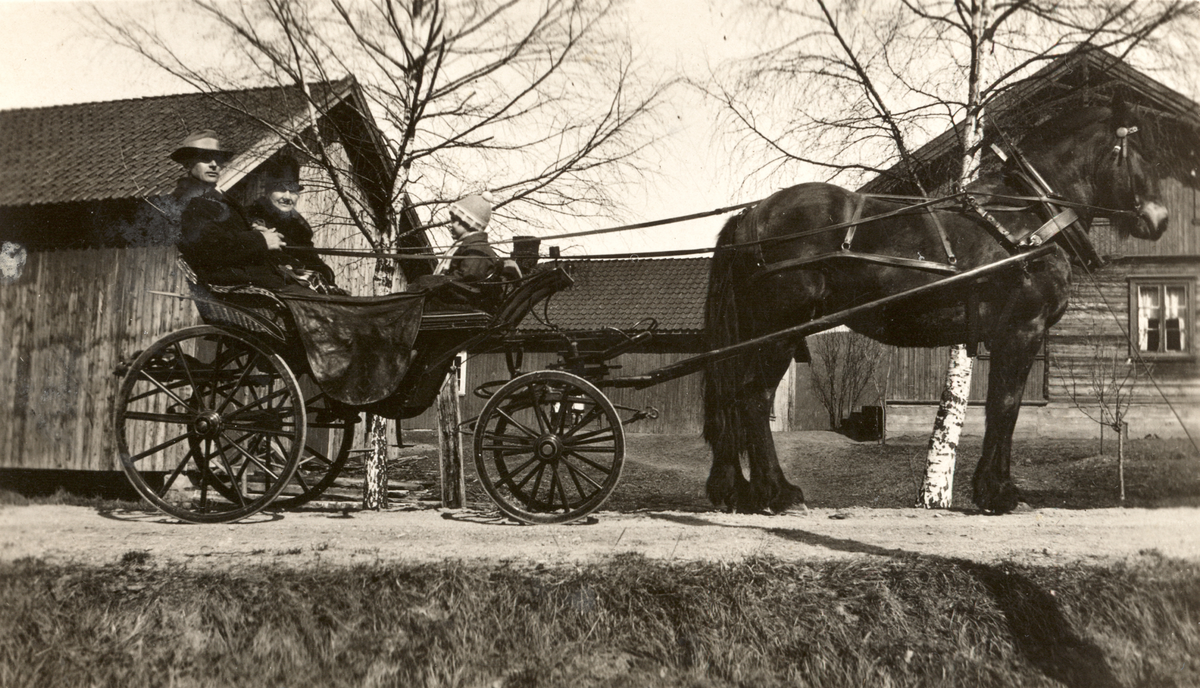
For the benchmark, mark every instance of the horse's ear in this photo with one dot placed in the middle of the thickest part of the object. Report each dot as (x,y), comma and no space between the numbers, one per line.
(1122,111)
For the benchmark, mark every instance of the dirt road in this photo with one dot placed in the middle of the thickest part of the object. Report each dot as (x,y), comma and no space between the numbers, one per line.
(1040,536)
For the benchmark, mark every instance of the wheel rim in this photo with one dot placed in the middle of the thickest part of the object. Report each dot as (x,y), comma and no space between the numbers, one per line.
(328,439)
(549,447)
(209,425)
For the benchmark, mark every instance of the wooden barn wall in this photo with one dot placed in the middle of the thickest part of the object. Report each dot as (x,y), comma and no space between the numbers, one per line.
(679,402)
(66,322)
(1089,323)
(332,227)
(918,375)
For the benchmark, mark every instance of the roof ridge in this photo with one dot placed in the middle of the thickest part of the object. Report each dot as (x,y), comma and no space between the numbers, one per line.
(333,82)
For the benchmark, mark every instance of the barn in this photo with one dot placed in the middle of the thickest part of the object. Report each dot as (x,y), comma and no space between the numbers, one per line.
(87,238)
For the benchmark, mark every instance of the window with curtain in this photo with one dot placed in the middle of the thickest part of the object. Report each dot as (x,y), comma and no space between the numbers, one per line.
(1163,314)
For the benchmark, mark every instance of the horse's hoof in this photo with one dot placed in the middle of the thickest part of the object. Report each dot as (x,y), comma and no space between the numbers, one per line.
(1000,500)
(788,498)
(722,491)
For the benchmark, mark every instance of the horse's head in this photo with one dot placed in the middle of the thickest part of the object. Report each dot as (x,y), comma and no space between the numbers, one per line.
(1126,187)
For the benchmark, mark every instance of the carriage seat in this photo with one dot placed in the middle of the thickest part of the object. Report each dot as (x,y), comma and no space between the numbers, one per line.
(242,307)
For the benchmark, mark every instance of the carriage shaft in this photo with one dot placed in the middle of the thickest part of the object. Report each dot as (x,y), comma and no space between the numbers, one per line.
(691,365)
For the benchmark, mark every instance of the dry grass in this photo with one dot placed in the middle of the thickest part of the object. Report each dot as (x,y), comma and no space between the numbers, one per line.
(631,622)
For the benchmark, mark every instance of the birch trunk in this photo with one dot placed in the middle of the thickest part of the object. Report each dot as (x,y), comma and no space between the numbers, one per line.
(375,482)
(938,486)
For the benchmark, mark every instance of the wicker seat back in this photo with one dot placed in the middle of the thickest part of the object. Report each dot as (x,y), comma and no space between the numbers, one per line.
(245,308)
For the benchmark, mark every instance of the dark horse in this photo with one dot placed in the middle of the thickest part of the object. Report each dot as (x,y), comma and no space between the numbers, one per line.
(775,267)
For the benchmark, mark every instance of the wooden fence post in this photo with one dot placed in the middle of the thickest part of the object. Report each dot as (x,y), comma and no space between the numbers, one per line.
(454,488)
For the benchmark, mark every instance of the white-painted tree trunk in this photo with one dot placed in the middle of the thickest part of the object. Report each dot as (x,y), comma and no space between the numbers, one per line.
(375,482)
(938,486)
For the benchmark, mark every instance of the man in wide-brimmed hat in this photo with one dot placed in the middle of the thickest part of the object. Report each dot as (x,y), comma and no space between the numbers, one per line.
(217,239)
(276,210)
(202,157)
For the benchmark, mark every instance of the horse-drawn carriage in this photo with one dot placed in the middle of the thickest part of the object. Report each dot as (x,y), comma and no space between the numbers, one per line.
(258,406)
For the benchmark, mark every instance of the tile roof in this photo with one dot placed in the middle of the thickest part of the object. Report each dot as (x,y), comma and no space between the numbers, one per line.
(619,293)
(119,149)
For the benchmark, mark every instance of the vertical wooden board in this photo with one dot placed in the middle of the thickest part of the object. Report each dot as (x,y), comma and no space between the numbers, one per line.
(15,299)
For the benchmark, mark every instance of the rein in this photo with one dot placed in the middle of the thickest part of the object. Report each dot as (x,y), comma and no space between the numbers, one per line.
(1043,195)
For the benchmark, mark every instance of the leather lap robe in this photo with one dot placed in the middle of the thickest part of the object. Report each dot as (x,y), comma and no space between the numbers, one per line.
(359,348)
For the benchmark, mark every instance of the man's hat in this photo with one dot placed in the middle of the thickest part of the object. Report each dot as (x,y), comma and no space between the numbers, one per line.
(475,210)
(204,141)
(281,172)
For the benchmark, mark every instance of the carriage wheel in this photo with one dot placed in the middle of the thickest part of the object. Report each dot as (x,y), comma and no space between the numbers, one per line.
(549,447)
(328,439)
(209,425)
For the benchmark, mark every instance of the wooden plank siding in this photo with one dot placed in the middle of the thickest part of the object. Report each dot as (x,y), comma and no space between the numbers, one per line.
(918,375)
(1099,311)
(68,320)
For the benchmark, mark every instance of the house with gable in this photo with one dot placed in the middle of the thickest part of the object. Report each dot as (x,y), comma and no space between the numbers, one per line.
(88,238)
(1130,323)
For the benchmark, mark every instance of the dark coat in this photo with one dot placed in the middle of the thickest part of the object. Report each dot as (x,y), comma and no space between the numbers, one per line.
(472,258)
(296,232)
(219,244)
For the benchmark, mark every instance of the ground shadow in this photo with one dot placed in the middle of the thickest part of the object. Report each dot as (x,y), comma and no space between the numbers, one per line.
(154,516)
(1040,631)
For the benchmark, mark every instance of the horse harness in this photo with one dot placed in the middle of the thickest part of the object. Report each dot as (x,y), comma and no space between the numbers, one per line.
(1063,224)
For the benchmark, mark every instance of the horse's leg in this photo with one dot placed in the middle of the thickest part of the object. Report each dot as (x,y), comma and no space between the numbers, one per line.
(1012,358)
(723,430)
(724,421)
(769,489)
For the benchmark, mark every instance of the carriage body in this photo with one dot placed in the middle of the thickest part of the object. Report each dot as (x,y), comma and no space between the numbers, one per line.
(216,422)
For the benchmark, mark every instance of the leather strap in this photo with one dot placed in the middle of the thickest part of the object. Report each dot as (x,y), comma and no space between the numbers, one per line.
(895,261)
(1053,226)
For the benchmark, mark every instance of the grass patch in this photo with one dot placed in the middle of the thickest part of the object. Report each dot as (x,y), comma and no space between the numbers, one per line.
(629,622)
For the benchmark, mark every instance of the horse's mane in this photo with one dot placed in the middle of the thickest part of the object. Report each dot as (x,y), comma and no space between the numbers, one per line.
(1049,130)
(1164,139)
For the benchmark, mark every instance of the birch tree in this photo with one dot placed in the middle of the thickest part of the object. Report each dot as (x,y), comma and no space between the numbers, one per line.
(863,83)
(537,102)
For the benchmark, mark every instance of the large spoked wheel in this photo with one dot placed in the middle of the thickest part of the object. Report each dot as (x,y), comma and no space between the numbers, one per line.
(209,425)
(328,439)
(549,447)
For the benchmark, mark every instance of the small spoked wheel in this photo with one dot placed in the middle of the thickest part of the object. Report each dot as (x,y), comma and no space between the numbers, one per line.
(209,425)
(328,439)
(549,447)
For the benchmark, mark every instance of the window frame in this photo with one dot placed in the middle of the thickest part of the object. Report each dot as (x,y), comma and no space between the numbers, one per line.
(1162,282)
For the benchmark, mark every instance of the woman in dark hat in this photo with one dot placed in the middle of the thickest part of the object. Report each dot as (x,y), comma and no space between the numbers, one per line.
(276,210)
(217,239)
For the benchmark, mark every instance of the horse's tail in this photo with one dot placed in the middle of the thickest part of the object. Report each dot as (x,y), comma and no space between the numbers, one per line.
(722,415)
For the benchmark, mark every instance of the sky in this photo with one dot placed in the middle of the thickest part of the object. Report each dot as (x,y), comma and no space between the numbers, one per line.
(51,58)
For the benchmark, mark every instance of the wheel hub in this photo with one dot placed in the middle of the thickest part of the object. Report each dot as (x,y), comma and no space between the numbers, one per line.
(208,424)
(549,448)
